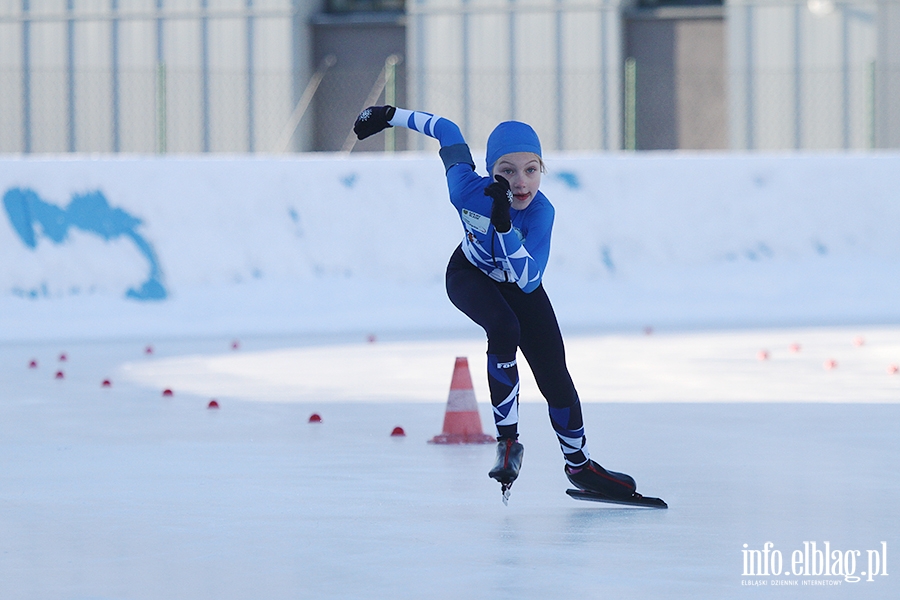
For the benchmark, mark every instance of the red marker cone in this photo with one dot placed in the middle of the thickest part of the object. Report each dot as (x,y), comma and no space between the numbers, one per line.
(315,418)
(213,404)
(462,424)
(398,432)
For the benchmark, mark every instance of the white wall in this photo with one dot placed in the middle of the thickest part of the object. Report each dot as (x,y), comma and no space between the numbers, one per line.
(325,243)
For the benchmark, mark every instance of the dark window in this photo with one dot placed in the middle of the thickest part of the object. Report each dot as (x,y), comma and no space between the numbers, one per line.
(656,3)
(346,6)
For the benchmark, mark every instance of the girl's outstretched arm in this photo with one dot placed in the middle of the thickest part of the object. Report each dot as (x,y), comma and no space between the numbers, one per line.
(454,149)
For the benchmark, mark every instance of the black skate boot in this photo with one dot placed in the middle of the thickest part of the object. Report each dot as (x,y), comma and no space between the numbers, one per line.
(509,460)
(592,477)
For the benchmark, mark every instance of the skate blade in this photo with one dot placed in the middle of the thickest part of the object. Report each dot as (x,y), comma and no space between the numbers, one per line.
(505,490)
(636,501)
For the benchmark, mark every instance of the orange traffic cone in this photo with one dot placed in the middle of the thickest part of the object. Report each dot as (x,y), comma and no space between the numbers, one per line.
(462,425)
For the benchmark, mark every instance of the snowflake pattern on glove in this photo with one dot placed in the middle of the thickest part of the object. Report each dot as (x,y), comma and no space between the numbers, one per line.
(364,115)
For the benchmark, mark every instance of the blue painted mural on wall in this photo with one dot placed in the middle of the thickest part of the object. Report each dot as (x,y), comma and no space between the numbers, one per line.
(90,213)
(570,179)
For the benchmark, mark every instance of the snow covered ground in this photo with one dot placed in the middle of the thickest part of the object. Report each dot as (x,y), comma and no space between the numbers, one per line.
(106,248)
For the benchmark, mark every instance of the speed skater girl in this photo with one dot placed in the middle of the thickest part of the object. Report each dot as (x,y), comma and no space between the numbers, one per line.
(494,277)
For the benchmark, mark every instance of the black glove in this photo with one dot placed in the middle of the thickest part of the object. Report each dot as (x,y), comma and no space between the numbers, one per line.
(503,197)
(372,120)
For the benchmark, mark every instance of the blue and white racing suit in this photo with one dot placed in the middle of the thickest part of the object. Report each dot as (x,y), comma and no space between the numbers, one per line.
(495,279)
(518,256)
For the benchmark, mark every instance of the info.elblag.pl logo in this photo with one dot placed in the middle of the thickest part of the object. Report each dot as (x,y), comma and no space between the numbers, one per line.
(813,561)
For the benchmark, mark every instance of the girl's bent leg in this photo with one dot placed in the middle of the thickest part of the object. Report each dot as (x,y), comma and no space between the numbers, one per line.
(542,344)
(569,427)
(477,297)
(503,382)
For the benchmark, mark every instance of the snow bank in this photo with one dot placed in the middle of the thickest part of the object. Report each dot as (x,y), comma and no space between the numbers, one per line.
(124,247)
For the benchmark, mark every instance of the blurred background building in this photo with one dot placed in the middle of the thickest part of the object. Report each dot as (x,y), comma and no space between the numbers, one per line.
(272,76)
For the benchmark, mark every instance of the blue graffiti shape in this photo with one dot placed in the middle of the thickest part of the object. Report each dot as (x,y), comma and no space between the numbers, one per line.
(90,213)
(606,256)
(570,179)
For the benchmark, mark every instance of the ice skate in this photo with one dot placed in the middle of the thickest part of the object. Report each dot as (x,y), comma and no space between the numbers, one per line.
(509,461)
(591,477)
(596,484)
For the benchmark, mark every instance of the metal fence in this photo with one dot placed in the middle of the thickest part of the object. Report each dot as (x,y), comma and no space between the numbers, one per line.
(231,81)
(159,110)
(817,109)
(154,110)
(146,75)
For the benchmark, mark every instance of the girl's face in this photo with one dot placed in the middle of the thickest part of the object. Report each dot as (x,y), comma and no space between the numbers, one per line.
(523,172)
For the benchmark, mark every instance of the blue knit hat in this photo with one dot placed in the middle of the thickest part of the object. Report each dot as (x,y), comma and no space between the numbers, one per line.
(508,137)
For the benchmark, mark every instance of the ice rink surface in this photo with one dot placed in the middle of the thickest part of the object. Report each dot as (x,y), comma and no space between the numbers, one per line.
(121,493)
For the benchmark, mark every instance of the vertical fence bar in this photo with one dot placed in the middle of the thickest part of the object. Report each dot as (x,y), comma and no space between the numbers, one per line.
(390,98)
(798,77)
(630,103)
(604,84)
(251,134)
(512,59)
(26,77)
(161,117)
(160,53)
(204,89)
(70,75)
(845,78)
(870,104)
(420,99)
(114,60)
(560,81)
(750,109)
(466,65)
